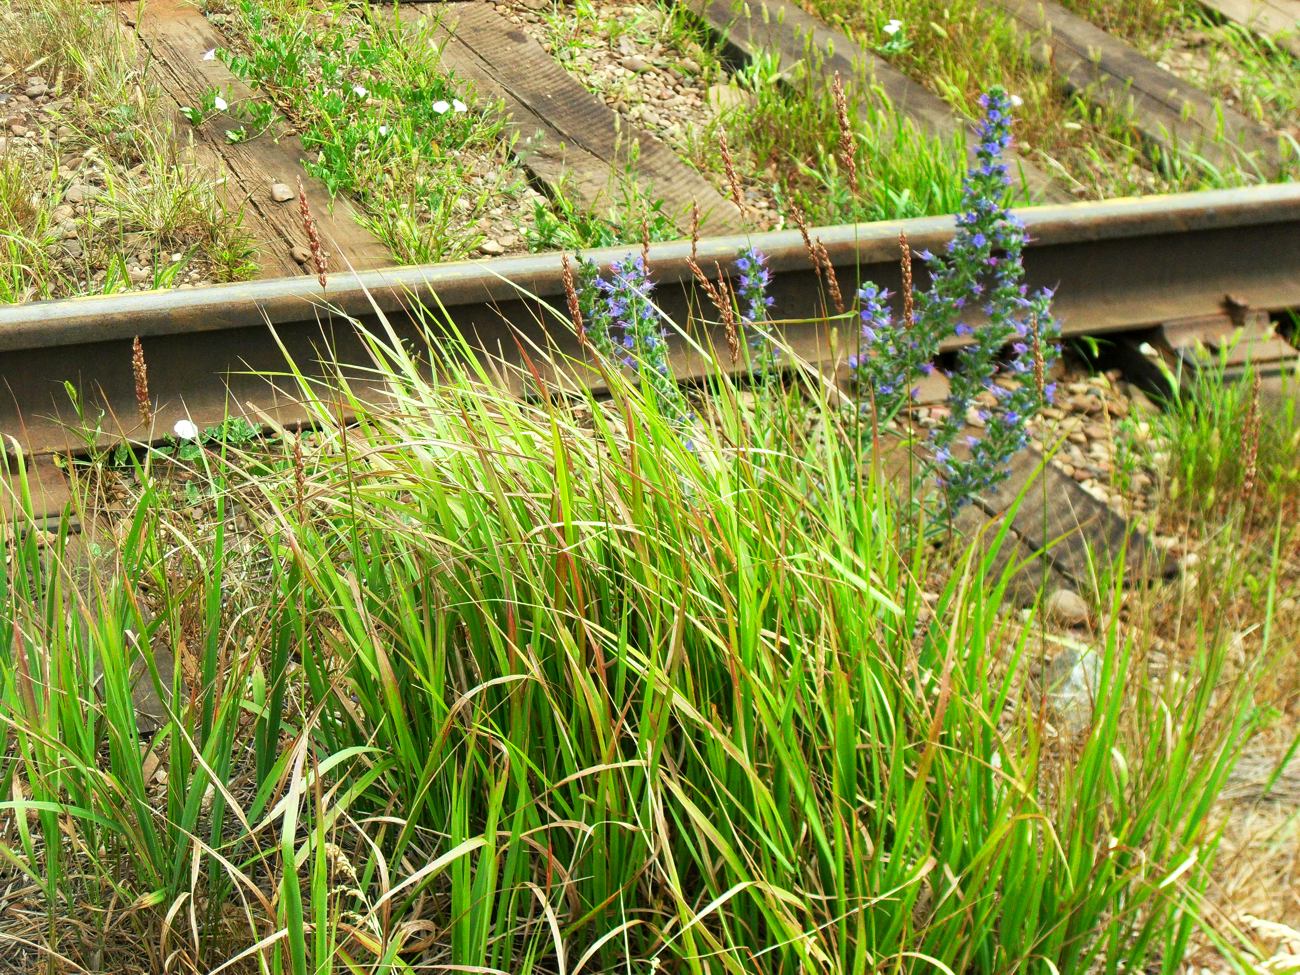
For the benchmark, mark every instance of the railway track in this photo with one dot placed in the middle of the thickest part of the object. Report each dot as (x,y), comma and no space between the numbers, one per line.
(1126,266)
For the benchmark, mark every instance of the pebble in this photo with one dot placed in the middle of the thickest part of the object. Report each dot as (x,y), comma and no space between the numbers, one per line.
(282,192)
(1065,606)
(1086,403)
(727,98)
(300,254)
(36,89)
(80,193)
(635,64)
(1095,431)
(491,247)
(19,130)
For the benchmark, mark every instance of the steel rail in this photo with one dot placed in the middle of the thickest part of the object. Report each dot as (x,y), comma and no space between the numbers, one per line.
(1117,265)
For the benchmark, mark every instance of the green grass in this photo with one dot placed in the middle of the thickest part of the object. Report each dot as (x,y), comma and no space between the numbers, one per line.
(1205,428)
(158,199)
(961,49)
(380,117)
(1262,79)
(553,683)
(783,131)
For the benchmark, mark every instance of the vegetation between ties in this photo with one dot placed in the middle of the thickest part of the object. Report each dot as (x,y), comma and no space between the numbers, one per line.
(662,680)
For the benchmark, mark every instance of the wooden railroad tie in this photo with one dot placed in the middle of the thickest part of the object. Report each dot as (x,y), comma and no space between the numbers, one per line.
(1167,111)
(176,34)
(566,137)
(782,28)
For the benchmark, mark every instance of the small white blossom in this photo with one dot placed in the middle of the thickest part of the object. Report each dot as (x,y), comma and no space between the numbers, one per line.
(459,105)
(1016,101)
(360,91)
(441,106)
(220,104)
(893,27)
(210,54)
(383,130)
(186,430)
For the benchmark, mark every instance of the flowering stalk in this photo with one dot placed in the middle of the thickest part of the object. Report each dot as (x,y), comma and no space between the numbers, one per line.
(319,257)
(754,303)
(982,270)
(631,331)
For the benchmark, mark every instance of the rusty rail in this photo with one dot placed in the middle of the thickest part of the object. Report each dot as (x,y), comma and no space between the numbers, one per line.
(1118,265)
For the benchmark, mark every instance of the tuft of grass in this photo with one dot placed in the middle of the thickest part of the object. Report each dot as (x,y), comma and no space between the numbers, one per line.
(159,200)
(381,119)
(551,683)
(1213,425)
(963,48)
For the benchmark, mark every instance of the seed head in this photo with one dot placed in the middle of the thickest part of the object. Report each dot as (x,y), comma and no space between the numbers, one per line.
(140,371)
(848,146)
(571,296)
(319,257)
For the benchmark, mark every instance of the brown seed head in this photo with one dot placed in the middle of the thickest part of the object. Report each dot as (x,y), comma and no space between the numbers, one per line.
(695,229)
(1250,441)
(909,298)
(848,145)
(319,256)
(571,295)
(828,272)
(141,373)
(729,165)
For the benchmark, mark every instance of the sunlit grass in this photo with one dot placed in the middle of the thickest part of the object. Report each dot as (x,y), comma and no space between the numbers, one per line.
(518,683)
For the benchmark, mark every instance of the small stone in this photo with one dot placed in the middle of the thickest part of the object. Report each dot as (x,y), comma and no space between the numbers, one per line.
(974,419)
(727,98)
(62,212)
(635,63)
(139,275)
(36,89)
(1065,606)
(1079,437)
(72,248)
(80,193)
(282,192)
(1095,431)
(19,130)
(1073,681)
(1086,403)
(491,248)
(300,254)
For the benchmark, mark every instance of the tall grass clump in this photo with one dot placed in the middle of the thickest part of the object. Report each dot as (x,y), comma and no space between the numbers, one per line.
(557,683)
(1227,443)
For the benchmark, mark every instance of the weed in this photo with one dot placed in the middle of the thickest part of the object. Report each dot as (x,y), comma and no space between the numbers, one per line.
(382,120)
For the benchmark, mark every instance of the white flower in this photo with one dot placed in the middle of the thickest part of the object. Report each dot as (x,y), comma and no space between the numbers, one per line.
(459,106)
(186,430)
(219,103)
(1016,101)
(893,27)
(210,54)
(383,130)
(441,106)
(360,90)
